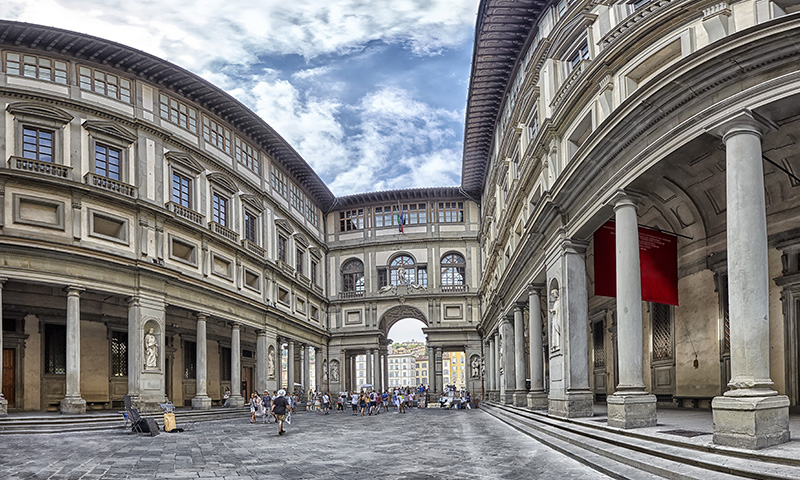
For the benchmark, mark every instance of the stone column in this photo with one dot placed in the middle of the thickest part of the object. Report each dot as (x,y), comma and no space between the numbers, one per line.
(261,361)
(489,365)
(369,360)
(570,395)
(520,393)
(306,369)
(509,364)
(431,369)
(385,368)
(3,401)
(497,367)
(201,401)
(537,397)
(630,406)
(750,414)
(439,368)
(73,402)
(236,399)
(290,366)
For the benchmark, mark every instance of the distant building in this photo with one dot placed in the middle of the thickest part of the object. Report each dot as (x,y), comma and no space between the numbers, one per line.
(402,370)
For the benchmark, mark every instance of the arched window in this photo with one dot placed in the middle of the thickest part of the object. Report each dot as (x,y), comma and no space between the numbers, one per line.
(402,271)
(353,278)
(453,266)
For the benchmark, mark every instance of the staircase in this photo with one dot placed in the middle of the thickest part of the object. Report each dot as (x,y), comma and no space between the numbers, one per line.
(54,423)
(624,454)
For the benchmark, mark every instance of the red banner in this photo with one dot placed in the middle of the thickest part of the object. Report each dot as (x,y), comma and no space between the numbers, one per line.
(658,261)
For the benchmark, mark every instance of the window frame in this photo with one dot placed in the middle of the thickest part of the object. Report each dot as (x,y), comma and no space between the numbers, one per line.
(282,247)
(353,279)
(447,210)
(449,270)
(246,226)
(191,113)
(190,184)
(246,155)
(217,134)
(23,67)
(351,220)
(94,81)
(220,207)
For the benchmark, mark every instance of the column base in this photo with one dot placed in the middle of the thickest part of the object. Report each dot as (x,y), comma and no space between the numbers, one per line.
(507,397)
(236,401)
(3,407)
(520,398)
(73,405)
(751,422)
(631,410)
(201,403)
(537,401)
(575,405)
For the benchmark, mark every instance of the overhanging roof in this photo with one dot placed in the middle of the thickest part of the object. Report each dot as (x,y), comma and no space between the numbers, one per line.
(171,77)
(501,31)
(396,196)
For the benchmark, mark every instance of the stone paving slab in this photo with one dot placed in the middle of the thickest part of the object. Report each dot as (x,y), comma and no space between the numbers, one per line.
(422,444)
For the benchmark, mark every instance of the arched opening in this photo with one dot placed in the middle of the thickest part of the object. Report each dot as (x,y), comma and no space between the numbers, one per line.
(408,354)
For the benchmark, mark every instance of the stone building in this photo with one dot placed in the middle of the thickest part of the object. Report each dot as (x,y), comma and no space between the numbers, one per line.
(681,117)
(159,240)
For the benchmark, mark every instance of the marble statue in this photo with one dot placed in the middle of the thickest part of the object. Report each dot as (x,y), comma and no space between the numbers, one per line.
(555,325)
(334,371)
(324,371)
(150,350)
(475,366)
(271,363)
(401,275)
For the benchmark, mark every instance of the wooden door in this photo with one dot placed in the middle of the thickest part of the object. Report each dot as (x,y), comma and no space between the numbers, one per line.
(663,351)
(247,379)
(9,382)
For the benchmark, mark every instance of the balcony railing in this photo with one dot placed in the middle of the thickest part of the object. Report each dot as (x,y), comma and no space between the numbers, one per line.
(346,295)
(454,288)
(111,185)
(36,166)
(226,232)
(253,248)
(184,212)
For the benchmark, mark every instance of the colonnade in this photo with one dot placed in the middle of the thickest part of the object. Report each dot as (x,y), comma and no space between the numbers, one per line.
(296,350)
(749,414)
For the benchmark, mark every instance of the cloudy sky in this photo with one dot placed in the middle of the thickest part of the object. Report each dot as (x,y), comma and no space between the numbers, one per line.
(370,92)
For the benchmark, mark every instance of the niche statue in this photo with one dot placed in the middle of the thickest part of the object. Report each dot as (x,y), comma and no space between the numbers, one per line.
(150,350)
(555,326)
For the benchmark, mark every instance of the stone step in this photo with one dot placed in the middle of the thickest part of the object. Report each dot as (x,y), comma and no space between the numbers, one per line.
(657,455)
(106,421)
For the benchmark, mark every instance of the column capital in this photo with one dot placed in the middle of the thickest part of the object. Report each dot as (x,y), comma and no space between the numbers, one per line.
(535,288)
(201,316)
(235,325)
(574,246)
(519,307)
(2,281)
(505,319)
(743,121)
(623,198)
(74,290)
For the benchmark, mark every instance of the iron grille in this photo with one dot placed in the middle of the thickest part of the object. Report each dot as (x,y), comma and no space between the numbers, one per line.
(119,354)
(598,340)
(190,360)
(55,349)
(225,365)
(662,331)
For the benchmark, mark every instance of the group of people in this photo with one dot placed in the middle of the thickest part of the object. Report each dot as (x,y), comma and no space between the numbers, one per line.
(453,398)
(373,402)
(278,406)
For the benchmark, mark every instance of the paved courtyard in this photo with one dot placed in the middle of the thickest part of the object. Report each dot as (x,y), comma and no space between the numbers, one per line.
(422,444)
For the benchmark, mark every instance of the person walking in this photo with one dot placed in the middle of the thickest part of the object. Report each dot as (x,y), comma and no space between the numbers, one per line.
(354,402)
(326,403)
(255,403)
(362,403)
(373,401)
(280,407)
(266,400)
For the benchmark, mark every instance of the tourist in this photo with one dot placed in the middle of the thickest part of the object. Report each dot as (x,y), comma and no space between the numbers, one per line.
(354,402)
(280,407)
(255,404)
(402,402)
(326,402)
(293,403)
(266,400)
(362,403)
(226,396)
(373,401)
(340,402)
(310,400)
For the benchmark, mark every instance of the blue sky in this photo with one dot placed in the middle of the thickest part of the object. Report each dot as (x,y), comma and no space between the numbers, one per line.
(370,92)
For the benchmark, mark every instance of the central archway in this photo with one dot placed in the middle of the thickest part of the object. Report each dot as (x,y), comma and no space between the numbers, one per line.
(400,312)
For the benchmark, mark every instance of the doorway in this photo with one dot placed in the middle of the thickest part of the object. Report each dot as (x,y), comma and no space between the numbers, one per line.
(247,382)
(9,381)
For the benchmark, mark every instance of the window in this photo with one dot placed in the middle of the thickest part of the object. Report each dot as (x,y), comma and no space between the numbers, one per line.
(220,209)
(181,190)
(107,161)
(104,83)
(313,274)
(299,256)
(416,213)
(353,276)
(250,226)
(279,182)
(422,276)
(246,155)
(351,220)
(637,4)
(178,113)
(37,144)
(383,216)
(282,241)
(189,360)
(33,66)
(401,270)
(119,354)
(388,216)
(580,55)
(55,349)
(453,266)
(382,278)
(311,213)
(217,135)
(451,212)
(296,197)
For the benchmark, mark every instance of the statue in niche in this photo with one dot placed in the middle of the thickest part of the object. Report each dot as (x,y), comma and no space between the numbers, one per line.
(555,326)
(150,350)
(324,371)
(334,371)
(401,275)
(475,367)
(271,363)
